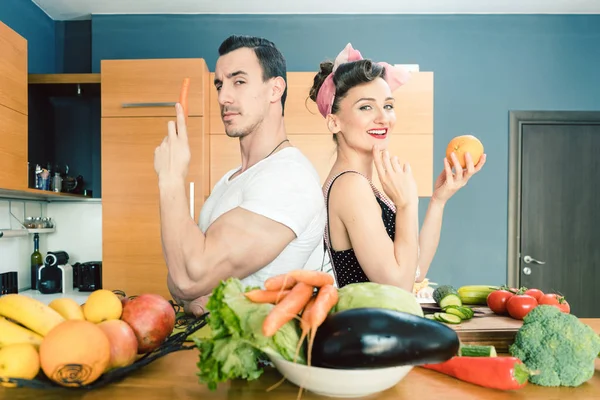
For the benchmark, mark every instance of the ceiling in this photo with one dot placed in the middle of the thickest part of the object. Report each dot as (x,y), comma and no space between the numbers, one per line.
(82,9)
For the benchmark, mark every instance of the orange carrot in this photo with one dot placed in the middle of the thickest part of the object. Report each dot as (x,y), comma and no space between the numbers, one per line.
(313,316)
(287,309)
(183,96)
(314,278)
(287,281)
(304,324)
(266,296)
(280,282)
(326,299)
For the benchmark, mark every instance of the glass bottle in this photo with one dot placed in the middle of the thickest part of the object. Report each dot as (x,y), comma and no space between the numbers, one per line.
(36,261)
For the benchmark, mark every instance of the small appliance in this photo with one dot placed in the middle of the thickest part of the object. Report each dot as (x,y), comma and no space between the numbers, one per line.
(56,275)
(87,276)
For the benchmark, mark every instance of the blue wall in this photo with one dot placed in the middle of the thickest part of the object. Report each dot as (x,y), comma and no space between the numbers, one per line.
(484,66)
(25,18)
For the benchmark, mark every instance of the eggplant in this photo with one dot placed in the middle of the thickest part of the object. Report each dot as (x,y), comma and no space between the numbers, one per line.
(379,338)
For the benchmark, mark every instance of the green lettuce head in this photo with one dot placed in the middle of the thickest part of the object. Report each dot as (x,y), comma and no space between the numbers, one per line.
(236,345)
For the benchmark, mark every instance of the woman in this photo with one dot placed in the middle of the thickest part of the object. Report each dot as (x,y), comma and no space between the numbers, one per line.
(369,236)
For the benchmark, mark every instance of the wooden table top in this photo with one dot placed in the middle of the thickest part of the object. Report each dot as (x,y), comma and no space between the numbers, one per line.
(174,377)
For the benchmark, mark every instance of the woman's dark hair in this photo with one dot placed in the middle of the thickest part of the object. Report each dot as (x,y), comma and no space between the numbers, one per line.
(347,76)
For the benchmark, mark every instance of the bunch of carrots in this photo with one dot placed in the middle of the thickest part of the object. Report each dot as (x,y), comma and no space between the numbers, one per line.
(305,295)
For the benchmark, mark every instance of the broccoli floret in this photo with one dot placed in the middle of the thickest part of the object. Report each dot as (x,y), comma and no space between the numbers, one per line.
(557,347)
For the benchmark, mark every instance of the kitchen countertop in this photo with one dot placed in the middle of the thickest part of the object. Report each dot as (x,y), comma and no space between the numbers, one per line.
(174,377)
(79,297)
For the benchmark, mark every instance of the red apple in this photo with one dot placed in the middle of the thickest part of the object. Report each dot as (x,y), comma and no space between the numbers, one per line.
(152,319)
(123,343)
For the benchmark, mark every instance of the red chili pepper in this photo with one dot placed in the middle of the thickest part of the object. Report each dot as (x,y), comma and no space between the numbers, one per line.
(183,96)
(504,373)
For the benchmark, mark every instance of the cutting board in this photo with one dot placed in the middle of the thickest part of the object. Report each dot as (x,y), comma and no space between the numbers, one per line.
(487,328)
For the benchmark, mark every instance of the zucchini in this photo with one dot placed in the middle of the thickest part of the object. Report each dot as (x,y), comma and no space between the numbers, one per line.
(475,294)
(378,338)
(477,351)
(448,318)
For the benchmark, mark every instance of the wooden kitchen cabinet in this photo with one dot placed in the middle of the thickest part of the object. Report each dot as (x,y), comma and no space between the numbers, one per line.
(132,257)
(411,141)
(13,110)
(149,88)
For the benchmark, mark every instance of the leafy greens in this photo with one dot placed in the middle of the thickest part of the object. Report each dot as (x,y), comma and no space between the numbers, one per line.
(236,347)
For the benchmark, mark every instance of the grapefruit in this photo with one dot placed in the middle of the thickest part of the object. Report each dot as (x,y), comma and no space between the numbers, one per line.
(464,144)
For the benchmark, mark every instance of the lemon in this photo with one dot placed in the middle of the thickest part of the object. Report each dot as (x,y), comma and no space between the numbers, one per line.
(19,361)
(102,305)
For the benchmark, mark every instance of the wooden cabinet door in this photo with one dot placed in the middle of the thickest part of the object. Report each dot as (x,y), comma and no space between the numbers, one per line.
(136,88)
(13,70)
(13,149)
(132,256)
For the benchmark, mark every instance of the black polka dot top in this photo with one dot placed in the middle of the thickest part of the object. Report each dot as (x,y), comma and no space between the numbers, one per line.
(346,267)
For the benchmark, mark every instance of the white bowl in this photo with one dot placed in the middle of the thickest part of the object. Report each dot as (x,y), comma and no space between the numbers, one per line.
(340,382)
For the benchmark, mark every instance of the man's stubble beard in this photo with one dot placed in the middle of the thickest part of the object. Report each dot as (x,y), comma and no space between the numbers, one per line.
(244,131)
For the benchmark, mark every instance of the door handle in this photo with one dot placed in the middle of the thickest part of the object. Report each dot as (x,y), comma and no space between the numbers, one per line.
(132,105)
(192,200)
(531,260)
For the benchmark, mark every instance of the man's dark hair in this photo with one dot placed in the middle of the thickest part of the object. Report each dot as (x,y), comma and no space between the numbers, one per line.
(269,57)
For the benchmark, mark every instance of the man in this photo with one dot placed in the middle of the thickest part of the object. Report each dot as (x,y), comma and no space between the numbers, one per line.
(262,219)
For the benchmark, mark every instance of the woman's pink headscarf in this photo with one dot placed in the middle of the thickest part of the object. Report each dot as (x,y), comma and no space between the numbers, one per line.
(394,76)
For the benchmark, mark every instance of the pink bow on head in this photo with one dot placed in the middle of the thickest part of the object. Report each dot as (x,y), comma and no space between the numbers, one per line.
(394,76)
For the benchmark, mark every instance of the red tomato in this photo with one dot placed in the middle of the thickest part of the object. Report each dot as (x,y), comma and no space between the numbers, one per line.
(557,301)
(496,301)
(519,305)
(535,293)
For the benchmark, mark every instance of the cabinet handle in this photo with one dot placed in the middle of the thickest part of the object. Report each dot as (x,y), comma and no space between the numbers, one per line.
(134,105)
(192,200)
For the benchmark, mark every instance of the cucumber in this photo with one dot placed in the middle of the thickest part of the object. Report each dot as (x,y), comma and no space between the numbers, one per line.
(448,318)
(430,316)
(456,311)
(467,311)
(477,351)
(442,291)
(475,294)
(450,300)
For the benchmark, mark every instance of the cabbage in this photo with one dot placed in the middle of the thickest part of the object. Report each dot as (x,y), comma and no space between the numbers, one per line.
(376,295)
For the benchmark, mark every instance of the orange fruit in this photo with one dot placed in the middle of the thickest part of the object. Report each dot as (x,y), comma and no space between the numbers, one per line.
(75,353)
(464,144)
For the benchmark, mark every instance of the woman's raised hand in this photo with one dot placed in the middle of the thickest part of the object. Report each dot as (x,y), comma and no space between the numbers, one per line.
(396,179)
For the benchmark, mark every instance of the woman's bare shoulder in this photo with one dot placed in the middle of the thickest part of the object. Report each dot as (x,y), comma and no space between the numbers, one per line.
(350,192)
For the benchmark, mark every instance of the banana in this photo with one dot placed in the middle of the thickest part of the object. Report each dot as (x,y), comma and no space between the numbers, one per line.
(29,312)
(11,333)
(68,308)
